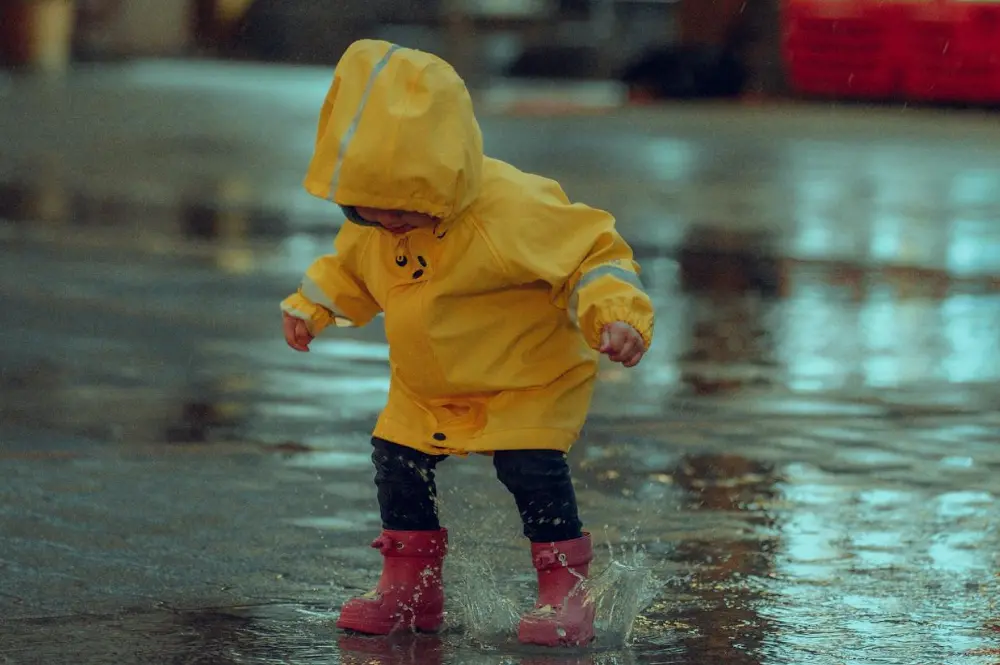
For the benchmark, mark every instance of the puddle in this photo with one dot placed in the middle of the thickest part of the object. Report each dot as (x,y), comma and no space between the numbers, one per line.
(287,633)
(345,521)
(746,324)
(348,461)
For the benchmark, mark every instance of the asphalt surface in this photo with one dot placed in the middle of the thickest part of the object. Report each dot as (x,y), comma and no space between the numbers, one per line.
(803,470)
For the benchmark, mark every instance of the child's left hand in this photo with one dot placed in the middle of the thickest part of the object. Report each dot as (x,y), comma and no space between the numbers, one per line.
(622,343)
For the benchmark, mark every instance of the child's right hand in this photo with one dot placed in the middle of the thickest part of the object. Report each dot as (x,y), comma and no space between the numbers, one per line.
(296,333)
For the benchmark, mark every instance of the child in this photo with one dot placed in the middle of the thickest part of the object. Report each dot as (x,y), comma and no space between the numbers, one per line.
(497,294)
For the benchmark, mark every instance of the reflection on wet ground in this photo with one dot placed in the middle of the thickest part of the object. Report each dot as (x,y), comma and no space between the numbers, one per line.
(737,316)
(806,464)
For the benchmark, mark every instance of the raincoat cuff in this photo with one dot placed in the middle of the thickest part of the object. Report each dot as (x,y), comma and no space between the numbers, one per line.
(316,316)
(640,318)
(642,326)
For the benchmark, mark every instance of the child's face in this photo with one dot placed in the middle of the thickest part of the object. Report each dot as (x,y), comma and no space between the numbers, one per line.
(396,221)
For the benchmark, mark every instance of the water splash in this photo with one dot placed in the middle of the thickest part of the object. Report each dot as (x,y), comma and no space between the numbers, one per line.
(620,592)
(488,612)
(485,612)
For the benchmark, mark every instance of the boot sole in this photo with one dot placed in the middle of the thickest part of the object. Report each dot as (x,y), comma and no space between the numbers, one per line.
(553,634)
(553,639)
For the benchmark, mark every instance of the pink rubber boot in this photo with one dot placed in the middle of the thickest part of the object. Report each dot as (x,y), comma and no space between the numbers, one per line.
(563,616)
(410,593)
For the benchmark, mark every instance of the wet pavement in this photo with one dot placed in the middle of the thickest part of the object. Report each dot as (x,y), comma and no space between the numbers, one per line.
(805,469)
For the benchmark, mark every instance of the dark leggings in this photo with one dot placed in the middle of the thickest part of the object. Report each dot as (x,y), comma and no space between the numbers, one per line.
(538,479)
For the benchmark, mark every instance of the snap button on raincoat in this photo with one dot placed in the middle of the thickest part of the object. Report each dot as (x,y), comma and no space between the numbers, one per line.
(494,315)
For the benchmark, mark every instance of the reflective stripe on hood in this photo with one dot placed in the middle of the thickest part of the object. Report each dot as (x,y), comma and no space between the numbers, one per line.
(397,132)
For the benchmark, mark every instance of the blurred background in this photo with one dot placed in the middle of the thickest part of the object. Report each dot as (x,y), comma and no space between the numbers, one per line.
(559,39)
(808,456)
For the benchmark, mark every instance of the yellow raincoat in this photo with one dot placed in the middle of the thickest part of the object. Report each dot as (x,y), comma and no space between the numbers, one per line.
(493,316)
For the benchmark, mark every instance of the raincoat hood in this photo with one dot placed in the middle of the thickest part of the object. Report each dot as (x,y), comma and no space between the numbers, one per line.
(397,132)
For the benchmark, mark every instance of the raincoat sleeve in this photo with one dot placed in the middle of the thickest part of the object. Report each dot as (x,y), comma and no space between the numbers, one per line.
(332,293)
(576,250)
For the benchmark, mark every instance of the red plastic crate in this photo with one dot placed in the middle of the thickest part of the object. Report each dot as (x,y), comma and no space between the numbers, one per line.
(979,28)
(955,80)
(840,48)
(944,50)
(952,52)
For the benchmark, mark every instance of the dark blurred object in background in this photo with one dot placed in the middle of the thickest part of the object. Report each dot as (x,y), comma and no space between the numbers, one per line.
(216,25)
(685,72)
(716,260)
(555,62)
(91,17)
(708,59)
(310,31)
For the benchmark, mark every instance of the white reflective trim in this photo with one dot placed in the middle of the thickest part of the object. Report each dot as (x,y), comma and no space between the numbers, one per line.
(314,293)
(592,276)
(353,127)
(608,269)
(294,312)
